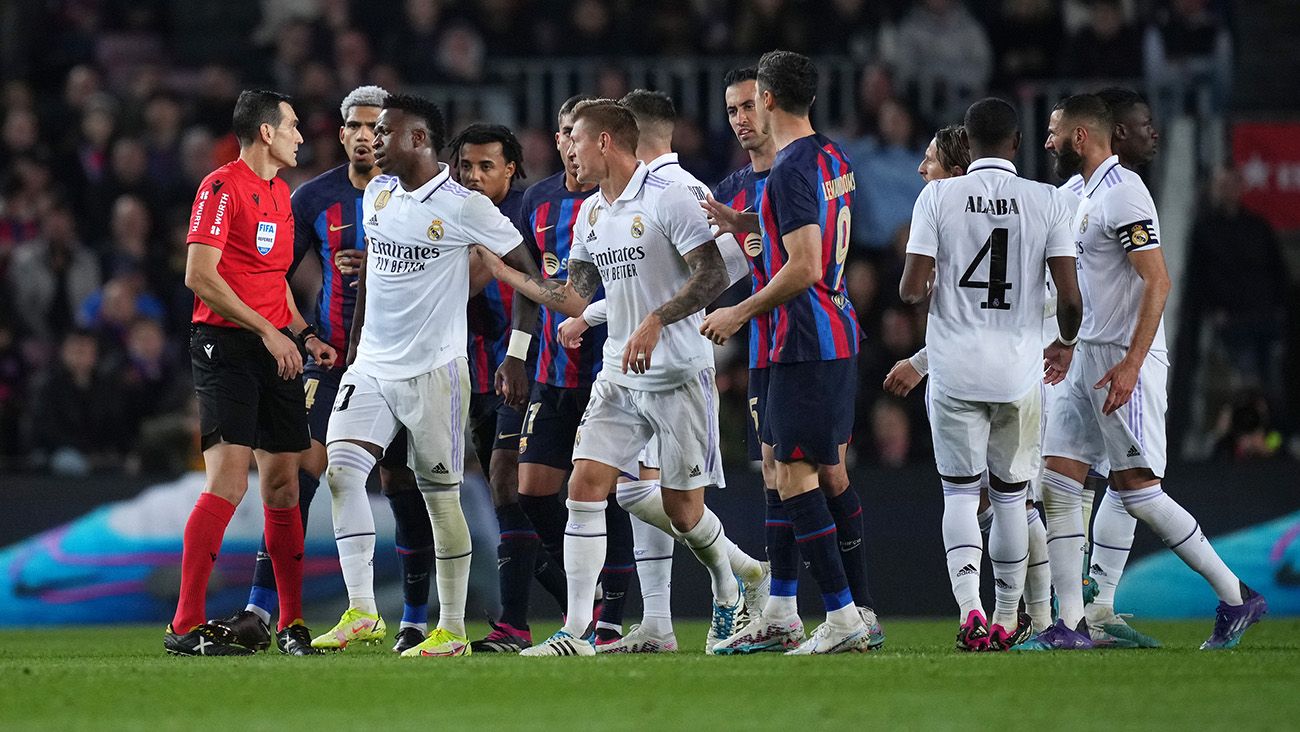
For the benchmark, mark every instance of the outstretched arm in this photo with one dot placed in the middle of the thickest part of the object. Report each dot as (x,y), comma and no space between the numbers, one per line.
(568,297)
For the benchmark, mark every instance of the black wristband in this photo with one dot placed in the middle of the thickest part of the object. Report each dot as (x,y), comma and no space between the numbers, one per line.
(306,333)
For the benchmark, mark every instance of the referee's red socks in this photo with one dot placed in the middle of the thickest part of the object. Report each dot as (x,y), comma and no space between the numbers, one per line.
(284,542)
(203,532)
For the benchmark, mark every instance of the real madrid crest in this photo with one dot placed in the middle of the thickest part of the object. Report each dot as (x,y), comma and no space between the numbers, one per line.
(1083,227)
(593,215)
(550,264)
(1139,235)
(435,230)
(382,199)
(638,228)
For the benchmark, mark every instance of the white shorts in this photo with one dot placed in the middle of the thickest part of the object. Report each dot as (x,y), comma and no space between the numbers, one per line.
(619,422)
(970,436)
(433,407)
(1133,436)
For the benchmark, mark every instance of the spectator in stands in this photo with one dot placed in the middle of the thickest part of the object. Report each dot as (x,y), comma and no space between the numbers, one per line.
(128,246)
(1026,38)
(163,124)
(410,44)
(1108,47)
(147,377)
(13,390)
(83,163)
(767,24)
(51,276)
(1236,282)
(78,427)
(27,190)
(1245,430)
(886,177)
(1189,45)
(875,88)
(110,312)
(942,57)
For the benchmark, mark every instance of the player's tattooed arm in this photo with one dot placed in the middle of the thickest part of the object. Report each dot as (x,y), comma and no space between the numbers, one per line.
(584,278)
(558,295)
(707,280)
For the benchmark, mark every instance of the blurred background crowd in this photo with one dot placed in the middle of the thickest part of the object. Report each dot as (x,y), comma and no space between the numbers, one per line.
(113,110)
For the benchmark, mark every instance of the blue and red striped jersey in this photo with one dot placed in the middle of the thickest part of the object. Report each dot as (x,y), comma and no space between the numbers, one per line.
(552,210)
(811,182)
(327,218)
(742,190)
(489,315)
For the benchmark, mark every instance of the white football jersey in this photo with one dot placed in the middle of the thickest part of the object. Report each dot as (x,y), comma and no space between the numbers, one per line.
(990,232)
(637,242)
(417,271)
(733,255)
(1115,217)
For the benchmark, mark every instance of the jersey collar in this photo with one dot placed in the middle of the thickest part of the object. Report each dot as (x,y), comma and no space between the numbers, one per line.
(662,161)
(634,184)
(1002,164)
(1107,165)
(422,193)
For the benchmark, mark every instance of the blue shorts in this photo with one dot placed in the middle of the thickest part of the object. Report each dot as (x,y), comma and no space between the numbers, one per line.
(551,424)
(757,422)
(321,386)
(809,411)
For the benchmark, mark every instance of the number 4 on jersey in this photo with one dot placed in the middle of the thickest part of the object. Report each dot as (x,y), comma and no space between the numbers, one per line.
(996,248)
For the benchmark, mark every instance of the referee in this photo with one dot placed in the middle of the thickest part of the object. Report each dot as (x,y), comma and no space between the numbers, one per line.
(245,348)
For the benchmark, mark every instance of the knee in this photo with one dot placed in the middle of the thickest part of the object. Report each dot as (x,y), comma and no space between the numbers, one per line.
(392,482)
(683,513)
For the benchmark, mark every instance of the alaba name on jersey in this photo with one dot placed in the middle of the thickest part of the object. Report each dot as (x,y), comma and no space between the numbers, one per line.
(742,190)
(638,242)
(1115,218)
(417,271)
(990,233)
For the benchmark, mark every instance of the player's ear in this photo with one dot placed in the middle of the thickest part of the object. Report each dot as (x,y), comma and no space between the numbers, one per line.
(342,130)
(1015,145)
(266,130)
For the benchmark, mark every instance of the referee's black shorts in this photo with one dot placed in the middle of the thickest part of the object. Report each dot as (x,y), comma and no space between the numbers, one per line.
(242,399)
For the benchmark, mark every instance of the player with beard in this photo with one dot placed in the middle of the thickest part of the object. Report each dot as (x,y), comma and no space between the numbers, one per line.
(1114,406)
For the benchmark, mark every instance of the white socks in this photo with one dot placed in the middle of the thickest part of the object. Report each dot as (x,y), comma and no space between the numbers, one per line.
(451,552)
(1008,552)
(709,543)
(354,524)
(962,543)
(653,551)
(1180,532)
(584,555)
(1038,575)
(1112,537)
(1062,501)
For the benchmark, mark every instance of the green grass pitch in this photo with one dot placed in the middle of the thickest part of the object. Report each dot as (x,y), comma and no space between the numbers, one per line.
(119,678)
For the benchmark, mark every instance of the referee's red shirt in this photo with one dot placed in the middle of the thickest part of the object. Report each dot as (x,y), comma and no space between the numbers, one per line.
(250,220)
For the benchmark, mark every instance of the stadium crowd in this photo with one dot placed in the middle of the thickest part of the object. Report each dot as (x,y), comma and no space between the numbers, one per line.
(114,111)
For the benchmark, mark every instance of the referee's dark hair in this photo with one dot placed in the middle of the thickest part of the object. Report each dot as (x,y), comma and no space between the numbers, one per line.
(425,110)
(482,134)
(573,101)
(791,78)
(990,122)
(735,76)
(1120,100)
(607,115)
(1088,110)
(254,108)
